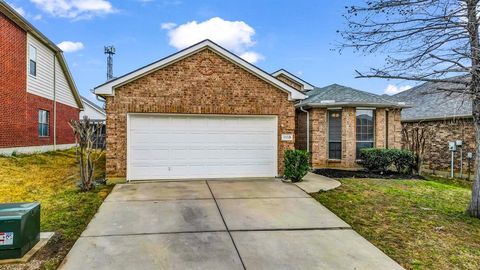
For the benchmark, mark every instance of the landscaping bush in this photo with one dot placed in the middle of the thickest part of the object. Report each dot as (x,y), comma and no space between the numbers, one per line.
(403,160)
(375,159)
(379,159)
(296,164)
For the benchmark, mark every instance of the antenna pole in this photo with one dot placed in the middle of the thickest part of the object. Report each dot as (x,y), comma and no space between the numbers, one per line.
(109,51)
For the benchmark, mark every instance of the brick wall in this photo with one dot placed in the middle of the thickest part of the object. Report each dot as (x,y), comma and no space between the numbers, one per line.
(12,83)
(301,130)
(349,139)
(64,114)
(19,109)
(437,155)
(290,82)
(319,135)
(380,128)
(203,83)
(394,129)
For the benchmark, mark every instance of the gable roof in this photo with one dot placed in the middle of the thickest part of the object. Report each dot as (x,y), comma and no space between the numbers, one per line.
(10,13)
(93,105)
(338,95)
(108,88)
(306,86)
(431,103)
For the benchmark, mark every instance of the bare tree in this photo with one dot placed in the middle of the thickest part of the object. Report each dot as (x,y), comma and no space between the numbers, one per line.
(426,40)
(86,134)
(415,138)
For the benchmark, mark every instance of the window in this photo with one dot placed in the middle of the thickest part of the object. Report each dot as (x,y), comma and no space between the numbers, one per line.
(43,117)
(365,129)
(32,64)
(335,135)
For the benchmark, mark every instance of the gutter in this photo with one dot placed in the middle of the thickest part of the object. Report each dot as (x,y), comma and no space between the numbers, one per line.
(357,104)
(308,127)
(436,118)
(54,101)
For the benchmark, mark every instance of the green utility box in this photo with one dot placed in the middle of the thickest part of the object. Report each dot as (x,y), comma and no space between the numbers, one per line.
(19,229)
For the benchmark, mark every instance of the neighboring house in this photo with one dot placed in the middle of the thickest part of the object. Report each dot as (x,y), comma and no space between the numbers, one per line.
(343,120)
(97,115)
(37,93)
(204,112)
(447,115)
(92,111)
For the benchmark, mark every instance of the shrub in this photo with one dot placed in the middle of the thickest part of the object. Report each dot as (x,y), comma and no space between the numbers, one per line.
(296,164)
(379,160)
(375,159)
(403,160)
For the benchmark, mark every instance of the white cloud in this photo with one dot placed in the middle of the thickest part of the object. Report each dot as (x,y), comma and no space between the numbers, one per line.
(18,9)
(75,9)
(252,57)
(168,25)
(236,36)
(393,89)
(70,46)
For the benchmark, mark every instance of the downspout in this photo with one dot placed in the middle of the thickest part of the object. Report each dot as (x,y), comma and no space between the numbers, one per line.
(54,101)
(308,127)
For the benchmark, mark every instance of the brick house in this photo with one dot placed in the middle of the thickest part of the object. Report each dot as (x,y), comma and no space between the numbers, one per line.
(341,121)
(448,116)
(37,93)
(204,112)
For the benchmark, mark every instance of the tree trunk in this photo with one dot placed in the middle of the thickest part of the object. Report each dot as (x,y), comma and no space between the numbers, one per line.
(474,207)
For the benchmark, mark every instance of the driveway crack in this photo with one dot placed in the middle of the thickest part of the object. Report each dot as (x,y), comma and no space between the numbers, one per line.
(228,230)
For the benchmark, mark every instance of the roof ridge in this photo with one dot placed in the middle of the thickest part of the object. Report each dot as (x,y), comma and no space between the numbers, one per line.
(364,92)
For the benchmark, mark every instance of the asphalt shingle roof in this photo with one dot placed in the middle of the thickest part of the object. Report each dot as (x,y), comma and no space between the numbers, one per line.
(343,95)
(430,103)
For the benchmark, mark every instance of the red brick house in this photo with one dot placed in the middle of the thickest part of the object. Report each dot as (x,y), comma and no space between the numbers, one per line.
(37,93)
(204,112)
(448,116)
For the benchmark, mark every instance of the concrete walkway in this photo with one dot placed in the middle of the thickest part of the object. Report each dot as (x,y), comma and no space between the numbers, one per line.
(312,183)
(219,225)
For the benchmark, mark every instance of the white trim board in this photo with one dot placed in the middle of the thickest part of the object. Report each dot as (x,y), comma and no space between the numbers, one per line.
(108,89)
(306,86)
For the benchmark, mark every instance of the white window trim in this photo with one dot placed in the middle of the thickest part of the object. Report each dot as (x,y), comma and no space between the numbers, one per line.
(44,123)
(374,127)
(30,45)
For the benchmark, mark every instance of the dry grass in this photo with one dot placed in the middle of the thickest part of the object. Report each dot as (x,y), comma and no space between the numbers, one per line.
(51,178)
(420,224)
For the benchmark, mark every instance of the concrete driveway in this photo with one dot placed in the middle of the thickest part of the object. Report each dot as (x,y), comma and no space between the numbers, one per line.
(261,224)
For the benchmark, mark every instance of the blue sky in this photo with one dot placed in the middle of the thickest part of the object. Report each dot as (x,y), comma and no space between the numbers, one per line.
(296,35)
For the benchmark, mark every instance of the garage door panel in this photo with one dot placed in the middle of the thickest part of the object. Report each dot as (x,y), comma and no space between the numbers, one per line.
(182,147)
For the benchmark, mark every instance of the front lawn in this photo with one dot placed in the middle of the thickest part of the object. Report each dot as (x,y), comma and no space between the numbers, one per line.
(420,224)
(50,178)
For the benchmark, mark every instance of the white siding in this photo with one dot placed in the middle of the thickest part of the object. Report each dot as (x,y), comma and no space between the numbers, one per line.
(42,84)
(91,112)
(64,93)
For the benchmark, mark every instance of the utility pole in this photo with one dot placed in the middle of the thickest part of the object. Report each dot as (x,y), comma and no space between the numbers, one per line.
(110,51)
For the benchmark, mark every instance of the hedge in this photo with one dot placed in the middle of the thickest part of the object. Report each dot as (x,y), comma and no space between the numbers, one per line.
(379,159)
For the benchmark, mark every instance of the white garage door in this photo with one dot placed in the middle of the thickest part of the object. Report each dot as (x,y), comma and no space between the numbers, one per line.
(185,147)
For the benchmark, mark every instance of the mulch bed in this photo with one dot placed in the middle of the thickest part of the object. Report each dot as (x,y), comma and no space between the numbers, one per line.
(337,173)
